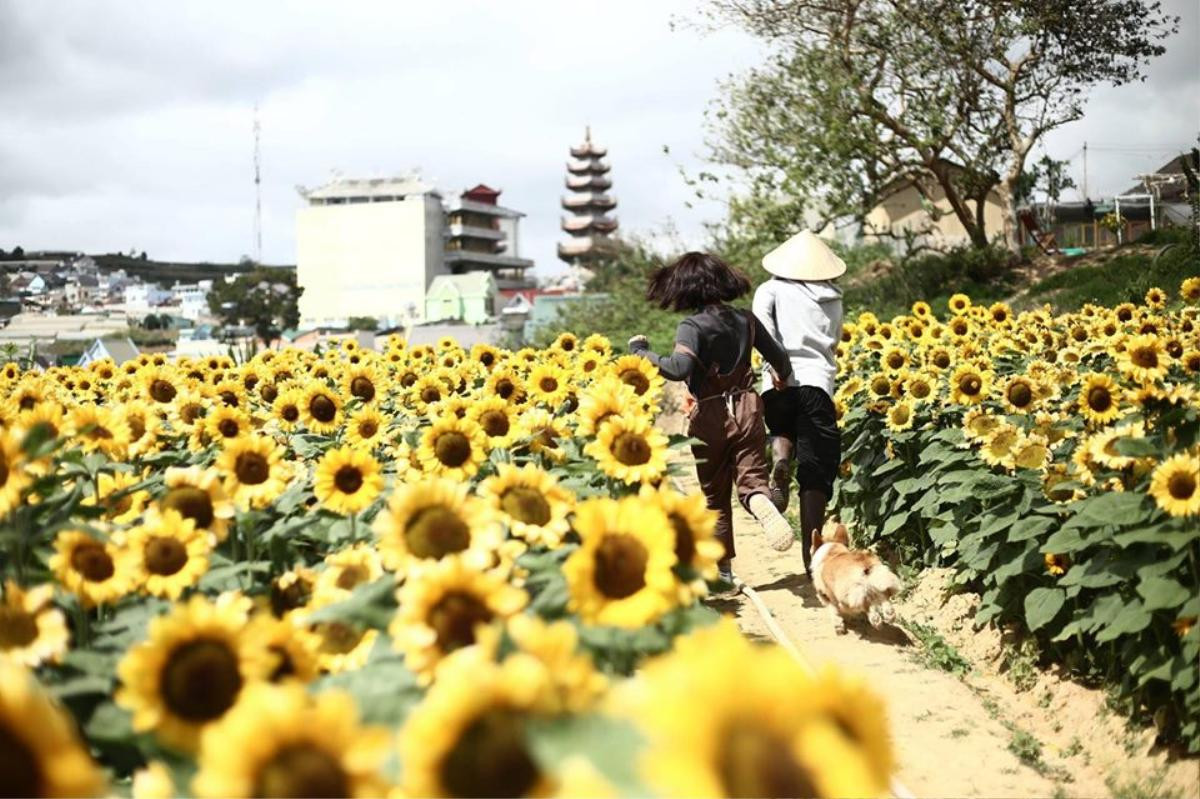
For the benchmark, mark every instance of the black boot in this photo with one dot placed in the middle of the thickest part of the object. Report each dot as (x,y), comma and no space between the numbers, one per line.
(781,472)
(812,517)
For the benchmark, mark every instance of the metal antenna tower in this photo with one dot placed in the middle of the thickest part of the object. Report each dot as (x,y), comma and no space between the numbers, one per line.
(257,191)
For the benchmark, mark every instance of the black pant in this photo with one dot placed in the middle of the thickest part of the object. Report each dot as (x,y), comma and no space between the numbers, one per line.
(806,416)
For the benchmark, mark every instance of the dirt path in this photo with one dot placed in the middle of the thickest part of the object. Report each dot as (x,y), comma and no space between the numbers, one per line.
(947,742)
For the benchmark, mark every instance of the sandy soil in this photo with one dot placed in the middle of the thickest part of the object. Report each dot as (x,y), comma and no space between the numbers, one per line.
(952,735)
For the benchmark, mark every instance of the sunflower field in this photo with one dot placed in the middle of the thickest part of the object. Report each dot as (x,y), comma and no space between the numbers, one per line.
(424,571)
(1054,461)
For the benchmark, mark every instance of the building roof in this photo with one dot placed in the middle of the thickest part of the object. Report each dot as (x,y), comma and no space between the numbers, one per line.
(466,335)
(482,193)
(466,284)
(119,349)
(1169,179)
(377,189)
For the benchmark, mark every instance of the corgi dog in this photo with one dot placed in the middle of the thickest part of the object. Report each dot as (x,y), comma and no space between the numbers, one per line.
(851,582)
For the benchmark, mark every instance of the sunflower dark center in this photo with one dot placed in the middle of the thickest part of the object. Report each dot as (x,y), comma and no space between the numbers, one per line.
(633,377)
(487,359)
(295,595)
(116,507)
(290,413)
(919,389)
(92,561)
(753,761)
(505,388)
(251,468)
(941,360)
(620,566)
(17,628)
(229,398)
(452,449)
(1181,485)
(191,503)
(27,402)
(430,394)
(494,423)
(901,414)
(229,428)
(137,427)
(436,531)
(631,449)
(1099,399)
(1020,395)
(3,469)
(301,770)
(21,769)
(200,680)
(162,391)
(368,428)
(454,619)
(190,413)
(526,505)
(881,386)
(164,556)
(970,385)
(685,542)
(268,392)
(548,384)
(409,379)
(1145,357)
(895,360)
(490,758)
(362,388)
(351,576)
(348,479)
(322,408)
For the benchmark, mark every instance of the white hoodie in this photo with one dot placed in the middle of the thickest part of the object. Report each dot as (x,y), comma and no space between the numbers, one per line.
(806,318)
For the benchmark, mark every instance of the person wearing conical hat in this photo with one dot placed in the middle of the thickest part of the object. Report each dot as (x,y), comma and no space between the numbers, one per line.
(712,354)
(801,307)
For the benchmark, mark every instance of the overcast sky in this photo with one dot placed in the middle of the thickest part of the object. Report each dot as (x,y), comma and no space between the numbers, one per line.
(128,125)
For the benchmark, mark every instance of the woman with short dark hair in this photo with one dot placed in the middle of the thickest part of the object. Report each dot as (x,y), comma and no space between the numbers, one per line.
(712,354)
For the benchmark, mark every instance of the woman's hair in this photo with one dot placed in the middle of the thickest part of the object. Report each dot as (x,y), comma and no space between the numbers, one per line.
(694,281)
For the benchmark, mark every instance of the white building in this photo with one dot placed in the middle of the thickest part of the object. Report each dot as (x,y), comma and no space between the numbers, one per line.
(192,298)
(373,247)
(144,296)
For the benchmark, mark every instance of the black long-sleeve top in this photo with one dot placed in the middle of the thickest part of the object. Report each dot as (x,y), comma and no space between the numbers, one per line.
(718,334)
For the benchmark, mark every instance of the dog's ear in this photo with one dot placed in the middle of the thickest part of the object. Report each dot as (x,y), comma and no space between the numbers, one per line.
(841,535)
(817,540)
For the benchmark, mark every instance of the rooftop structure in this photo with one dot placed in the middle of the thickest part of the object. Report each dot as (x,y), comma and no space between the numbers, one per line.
(589,226)
(481,235)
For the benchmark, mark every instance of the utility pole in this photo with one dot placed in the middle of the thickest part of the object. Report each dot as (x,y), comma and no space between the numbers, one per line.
(1085,191)
(258,193)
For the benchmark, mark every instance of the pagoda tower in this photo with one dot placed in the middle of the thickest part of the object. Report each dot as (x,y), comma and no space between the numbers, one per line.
(589,225)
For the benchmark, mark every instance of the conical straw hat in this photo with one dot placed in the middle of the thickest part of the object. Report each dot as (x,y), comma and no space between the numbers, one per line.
(804,257)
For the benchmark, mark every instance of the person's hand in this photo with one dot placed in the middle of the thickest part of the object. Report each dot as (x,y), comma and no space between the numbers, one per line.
(638,343)
(780,383)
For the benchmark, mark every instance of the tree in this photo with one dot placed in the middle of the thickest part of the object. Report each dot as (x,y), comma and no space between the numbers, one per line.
(947,95)
(265,299)
(362,323)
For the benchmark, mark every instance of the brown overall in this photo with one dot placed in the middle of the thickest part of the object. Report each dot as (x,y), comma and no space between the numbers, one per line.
(727,415)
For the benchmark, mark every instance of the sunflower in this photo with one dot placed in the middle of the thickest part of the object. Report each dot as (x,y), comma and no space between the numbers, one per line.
(531,502)
(32,630)
(900,417)
(95,571)
(366,428)
(546,433)
(427,394)
(98,429)
(468,736)
(159,384)
(588,364)
(918,387)
(1156,298)
(1175,485)
(321,408)
(504,382)
(969,385)
(548,384)
(961,329)
(1099,398)
(197,493)
(640,374)
(442,608)
(453,448)
(281,741)
(168,554)
(188,410)
(14,477)
(254,470)
(342,646)
(344,571)
(190,670)
(1031,452)
(630,449)
(1056,565)
(712,732)
(997,449)
(364,382)
(939,359)
(607,396)
(1189,289)
(291,650)
(485,355)
(621,575)
(291,590)
(229,393)
(43,755)
(428,520)
(286,408)
(1102,445)
(1144,359)
(227,422)
(893,360)
(497,419)
(347,480)
(143,424)
(1020,394)
(694,524)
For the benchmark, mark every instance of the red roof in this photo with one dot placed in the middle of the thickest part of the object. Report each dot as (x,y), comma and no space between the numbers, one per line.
(482,194)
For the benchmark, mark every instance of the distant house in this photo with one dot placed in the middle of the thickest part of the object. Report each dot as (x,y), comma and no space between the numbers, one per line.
(82,289)
(143,296)
(119,350)
(910,206)
(469,297)
(1168,185)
